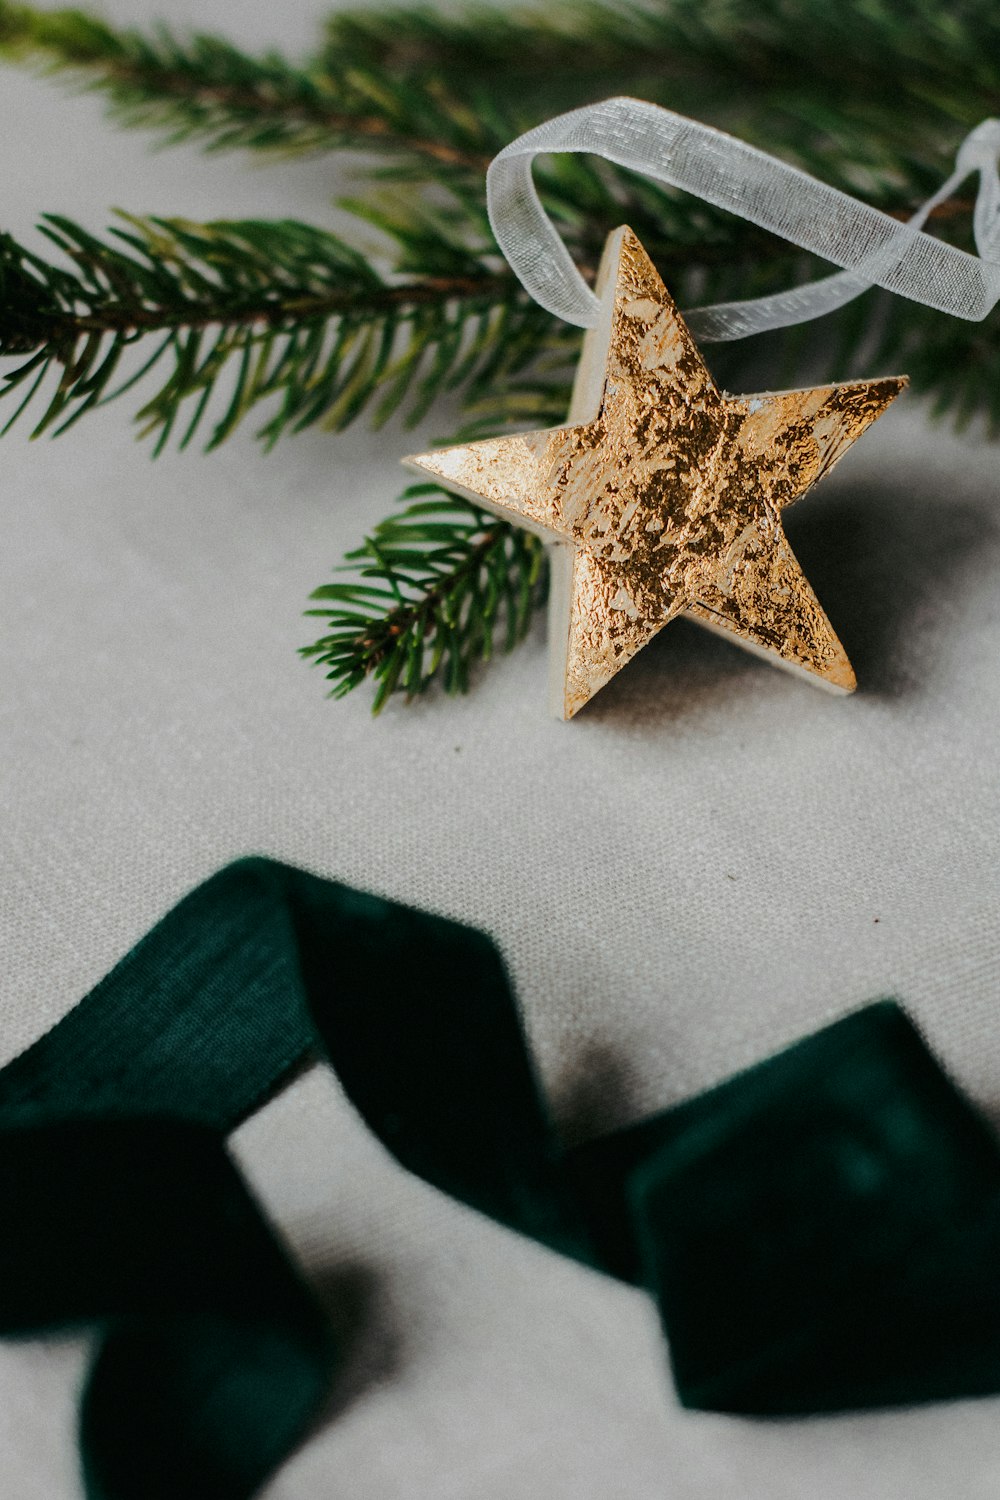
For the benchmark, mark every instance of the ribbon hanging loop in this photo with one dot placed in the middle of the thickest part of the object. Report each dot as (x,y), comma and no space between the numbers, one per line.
(872,247)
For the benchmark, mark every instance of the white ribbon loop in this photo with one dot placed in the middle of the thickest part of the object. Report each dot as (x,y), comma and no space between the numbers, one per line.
(873,248)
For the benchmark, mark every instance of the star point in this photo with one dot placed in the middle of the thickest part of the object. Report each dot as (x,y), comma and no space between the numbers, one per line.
(662,495)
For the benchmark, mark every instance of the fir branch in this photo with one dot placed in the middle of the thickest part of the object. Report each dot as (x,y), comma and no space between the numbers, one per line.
(206,88)
(867,95)
(288,314)
(432,589)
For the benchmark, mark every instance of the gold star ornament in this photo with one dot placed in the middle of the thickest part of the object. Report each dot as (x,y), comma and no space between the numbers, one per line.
(663,496)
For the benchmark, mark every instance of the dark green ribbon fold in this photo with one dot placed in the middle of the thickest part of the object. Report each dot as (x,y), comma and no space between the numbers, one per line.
(820,1232)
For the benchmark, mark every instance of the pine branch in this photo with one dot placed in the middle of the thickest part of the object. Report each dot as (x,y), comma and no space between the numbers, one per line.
(276,313)
(432,589)
(867,95)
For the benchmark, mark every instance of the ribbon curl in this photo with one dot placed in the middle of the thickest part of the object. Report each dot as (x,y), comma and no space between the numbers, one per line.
(873,248)
(820,1232)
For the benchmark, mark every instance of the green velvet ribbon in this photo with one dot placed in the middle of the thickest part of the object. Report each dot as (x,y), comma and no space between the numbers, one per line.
(820,1232)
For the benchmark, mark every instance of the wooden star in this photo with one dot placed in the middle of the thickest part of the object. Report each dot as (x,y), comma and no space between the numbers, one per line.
(663,495)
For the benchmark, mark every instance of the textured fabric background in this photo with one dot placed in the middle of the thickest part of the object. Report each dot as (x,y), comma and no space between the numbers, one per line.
(712,860)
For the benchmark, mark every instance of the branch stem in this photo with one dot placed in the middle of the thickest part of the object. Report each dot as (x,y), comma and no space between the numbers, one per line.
(123,318)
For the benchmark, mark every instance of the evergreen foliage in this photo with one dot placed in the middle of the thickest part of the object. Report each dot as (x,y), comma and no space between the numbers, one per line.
(207,323)
(431,589)
(292,313)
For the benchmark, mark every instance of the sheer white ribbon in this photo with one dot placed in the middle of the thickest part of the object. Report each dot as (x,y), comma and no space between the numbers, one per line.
(873,248)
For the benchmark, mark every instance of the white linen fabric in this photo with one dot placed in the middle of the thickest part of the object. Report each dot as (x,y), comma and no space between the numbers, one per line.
(712,860)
